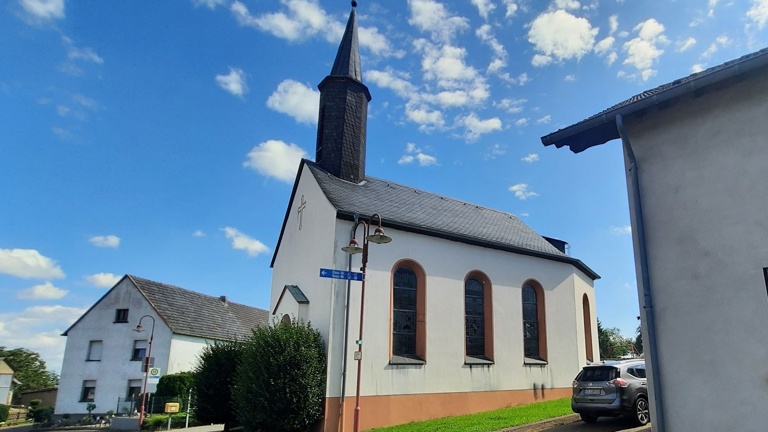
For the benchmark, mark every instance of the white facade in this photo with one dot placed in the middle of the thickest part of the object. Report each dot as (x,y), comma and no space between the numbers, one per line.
(109,364)
(6,382)
(702,169)
(445,384)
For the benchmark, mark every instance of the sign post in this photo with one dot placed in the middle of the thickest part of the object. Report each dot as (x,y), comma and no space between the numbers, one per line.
(341,274)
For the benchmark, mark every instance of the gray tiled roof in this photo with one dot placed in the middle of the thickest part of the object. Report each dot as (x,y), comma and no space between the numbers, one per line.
(194,314)
(601,127)
(417,209)
(347,61)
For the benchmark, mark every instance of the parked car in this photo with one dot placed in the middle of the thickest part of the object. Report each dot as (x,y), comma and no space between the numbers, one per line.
(611,389)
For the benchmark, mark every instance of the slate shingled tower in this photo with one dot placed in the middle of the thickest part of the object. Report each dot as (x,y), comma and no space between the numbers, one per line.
(343,114)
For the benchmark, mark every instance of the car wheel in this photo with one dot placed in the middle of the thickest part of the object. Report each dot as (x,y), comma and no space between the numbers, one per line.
(642,411)
(588,418)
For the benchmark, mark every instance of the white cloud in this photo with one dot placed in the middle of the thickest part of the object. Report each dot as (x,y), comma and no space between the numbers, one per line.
(109,241)
(644,50)
(44,291)
(476,126)
(698,67)
(561,36)
(540,60)
(413,153)
(570,78)
(567,4)
(544,120)
(296,100)
(44,9)
(720,41)
(512,8)
(212,4)
(427,118)
(241,241)
(103,280)
(522,122)
(395,81)
(613,23)
(432,17)
(484,7)
(605,45)
(513,106)
(39,329)
(612,57)
(275,158)
(523,79)
(198,233)
(521,191)
(495,151)
(758,13)
(531,158)
(445,65)
(87,54)
(28,264)
(485,33)
(233,82)
(621,230)
(684,45)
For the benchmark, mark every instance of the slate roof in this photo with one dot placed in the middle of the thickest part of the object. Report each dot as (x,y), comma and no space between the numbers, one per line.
(418,211)
(601,127)
(194,314)
(347,61)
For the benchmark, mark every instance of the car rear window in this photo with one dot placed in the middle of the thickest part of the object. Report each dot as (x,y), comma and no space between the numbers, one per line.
(597,374)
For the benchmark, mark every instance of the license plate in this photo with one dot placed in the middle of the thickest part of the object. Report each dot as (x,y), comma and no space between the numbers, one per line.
(593,391)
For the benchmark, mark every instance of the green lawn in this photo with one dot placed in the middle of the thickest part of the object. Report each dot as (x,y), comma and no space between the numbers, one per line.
(489,421)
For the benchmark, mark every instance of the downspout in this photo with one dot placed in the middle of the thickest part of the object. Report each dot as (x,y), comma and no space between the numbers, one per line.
(342,402)
(645,280)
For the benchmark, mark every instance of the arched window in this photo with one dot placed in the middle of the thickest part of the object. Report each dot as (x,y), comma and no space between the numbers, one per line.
(408,312)
(478,317)
(534,323)
(587,328)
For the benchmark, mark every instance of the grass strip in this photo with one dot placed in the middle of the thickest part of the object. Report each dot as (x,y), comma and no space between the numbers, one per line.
(489,421)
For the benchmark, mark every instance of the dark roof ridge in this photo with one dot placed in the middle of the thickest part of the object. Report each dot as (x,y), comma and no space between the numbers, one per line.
(135,278)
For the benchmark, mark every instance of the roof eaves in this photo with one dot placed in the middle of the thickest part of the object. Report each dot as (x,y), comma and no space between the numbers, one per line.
(287,211)
(601,127)
(350,216)
(93,306)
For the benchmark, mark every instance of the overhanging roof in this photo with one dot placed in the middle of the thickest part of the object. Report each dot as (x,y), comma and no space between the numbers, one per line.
(601,127)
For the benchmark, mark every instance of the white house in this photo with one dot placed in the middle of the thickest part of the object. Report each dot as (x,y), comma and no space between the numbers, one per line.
(696,156)
(466,310)
(7,383)
(103,356)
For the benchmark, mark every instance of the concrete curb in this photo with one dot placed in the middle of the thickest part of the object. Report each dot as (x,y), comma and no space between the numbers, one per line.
(544,424)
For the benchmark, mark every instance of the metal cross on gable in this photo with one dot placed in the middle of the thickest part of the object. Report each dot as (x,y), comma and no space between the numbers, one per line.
(302,206)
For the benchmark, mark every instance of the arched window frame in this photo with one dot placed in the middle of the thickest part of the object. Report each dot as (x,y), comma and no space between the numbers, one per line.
(587,315)
(420,355)
(486,357)
(541,321)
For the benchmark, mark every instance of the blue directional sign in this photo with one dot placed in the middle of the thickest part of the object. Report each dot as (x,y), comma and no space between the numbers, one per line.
(341,274)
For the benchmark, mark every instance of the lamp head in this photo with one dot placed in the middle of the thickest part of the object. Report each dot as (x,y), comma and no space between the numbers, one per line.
(379,237)
(353,248)
(138,328)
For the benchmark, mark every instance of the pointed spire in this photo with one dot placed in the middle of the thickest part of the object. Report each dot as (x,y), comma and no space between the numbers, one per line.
(347,61)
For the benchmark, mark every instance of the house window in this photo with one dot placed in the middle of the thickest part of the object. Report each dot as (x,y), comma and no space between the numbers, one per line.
(587,328)
(534,323)
(121,316)
(478,318)
(134,388)
(408,313)
(94,350)
(89,391)
(139,350)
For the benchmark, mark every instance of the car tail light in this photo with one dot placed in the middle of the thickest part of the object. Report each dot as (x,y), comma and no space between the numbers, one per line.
(619,382)
(574,384)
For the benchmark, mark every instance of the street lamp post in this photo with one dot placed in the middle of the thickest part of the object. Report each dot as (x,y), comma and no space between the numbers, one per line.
(145,363)
(377,237)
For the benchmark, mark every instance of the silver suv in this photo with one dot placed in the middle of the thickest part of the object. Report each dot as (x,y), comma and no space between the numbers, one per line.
(612,388)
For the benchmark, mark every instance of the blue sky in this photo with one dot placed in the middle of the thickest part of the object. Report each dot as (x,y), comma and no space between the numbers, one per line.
(161,139)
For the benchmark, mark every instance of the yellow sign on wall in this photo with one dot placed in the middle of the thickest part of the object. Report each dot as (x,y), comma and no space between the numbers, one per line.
(171,407)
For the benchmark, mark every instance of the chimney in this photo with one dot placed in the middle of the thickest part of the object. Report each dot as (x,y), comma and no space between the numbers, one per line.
(223,299)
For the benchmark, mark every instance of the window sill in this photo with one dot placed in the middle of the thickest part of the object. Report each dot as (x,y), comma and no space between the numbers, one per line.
(87,400)
(405,361)
(93,360)
(137,359)
(477,361)
(534,362)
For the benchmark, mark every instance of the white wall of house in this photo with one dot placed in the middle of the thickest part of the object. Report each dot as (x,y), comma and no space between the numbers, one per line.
(184,353)
(702,167)
(6,380)
(115,367)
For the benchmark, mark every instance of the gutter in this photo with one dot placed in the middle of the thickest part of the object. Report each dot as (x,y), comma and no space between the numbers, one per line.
(645,279)
(601,128)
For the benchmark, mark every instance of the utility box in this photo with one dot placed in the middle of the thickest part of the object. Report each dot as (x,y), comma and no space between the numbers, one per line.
(171,407)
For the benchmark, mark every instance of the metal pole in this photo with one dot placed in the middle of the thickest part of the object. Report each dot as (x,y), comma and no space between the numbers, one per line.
(146,366)
(189,407)
(360,339)
(343,401)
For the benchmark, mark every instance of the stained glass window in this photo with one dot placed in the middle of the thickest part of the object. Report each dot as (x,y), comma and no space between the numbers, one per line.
(474,307)
(530,322)
(404,313)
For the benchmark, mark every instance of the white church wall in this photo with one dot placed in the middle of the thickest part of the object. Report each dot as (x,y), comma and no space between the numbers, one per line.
(446,264)
(702,167)
(114,368)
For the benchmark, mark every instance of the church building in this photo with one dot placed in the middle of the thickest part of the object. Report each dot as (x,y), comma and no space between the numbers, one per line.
(466,309)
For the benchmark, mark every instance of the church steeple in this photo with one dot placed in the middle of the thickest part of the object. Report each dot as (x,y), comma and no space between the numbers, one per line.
(342,121)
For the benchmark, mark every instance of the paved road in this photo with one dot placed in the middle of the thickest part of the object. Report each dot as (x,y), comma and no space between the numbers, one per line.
(604,424)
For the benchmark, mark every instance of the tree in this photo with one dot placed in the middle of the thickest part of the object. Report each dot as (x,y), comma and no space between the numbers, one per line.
(281,379)
(30,369)
(214,376)
(612,343)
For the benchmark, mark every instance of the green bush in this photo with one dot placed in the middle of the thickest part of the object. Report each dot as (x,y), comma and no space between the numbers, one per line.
(160,421)
(41,414)
(175,388)
(4,413)
(280,385)
(214,376)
